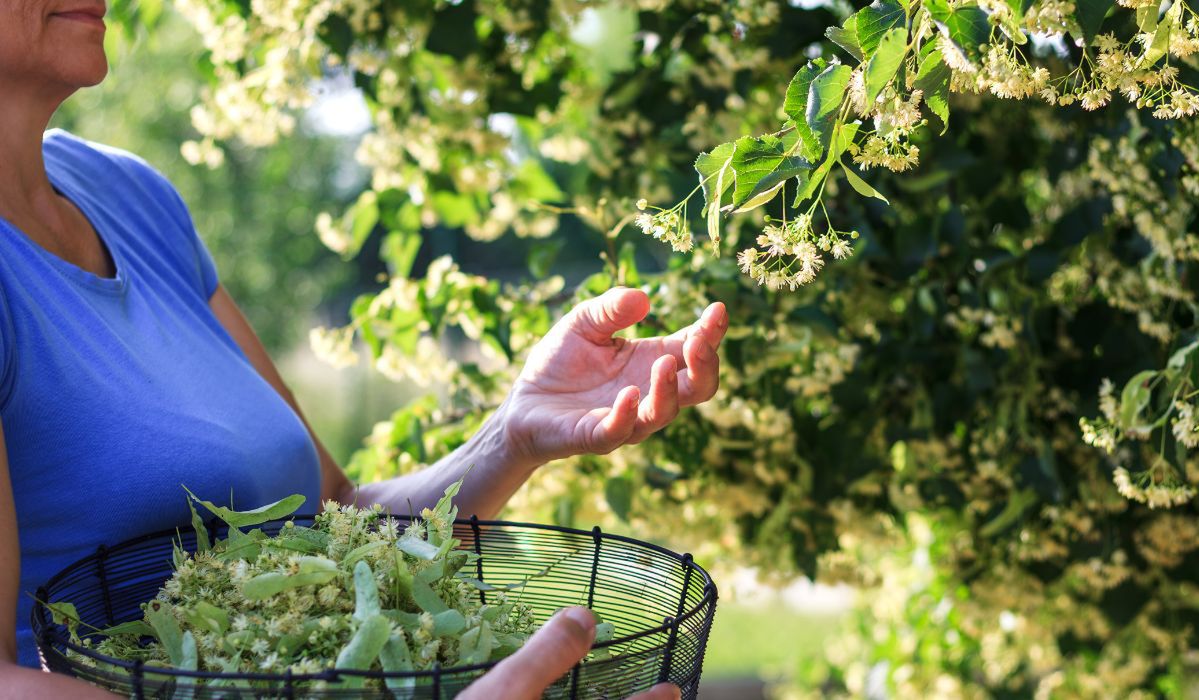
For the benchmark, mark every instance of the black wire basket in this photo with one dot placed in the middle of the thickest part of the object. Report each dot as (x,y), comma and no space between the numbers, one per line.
(661,603)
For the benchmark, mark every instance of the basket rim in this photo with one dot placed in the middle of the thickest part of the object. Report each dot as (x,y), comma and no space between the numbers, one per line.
(43,628)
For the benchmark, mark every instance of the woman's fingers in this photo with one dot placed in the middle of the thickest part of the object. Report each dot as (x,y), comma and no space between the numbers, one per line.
(713,323)
(616,309)
(662,404)
(616,424)
(699,381)
(549,654)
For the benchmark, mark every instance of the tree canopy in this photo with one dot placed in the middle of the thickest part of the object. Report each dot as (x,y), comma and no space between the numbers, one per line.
(955,239)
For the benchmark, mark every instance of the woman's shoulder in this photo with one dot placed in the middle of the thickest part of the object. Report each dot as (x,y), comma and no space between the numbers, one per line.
(98,162)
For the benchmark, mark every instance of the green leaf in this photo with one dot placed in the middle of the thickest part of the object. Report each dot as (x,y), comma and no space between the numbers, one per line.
(715,180)
(1019,7)
(618,491)
(1016,505)
(876,20)
(761,166)
(425,597)
(185,688)
(861,186)
(846,36)
(604,631)
(1089,14)
(137,628)
(1012,23)
(357,553)
(844,137)
(533,182)
(208,617)
(65,614)
(1179,359)
(361,218)
(417,547)
(235,519)
(542,255)
(167,629)
(710,166)
(933,80)
(202,542)
(395,657)
(239,545)
(448,623)
(796,106)
(825,96)
(966,25)
(1135,398)
(363,648)
(885,62)
(1147,18)
(366,592)
(1161,37)
(475,646)
(398,250)
(270,584)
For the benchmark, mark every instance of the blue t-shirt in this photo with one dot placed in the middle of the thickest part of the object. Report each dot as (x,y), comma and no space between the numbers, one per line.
(114,391)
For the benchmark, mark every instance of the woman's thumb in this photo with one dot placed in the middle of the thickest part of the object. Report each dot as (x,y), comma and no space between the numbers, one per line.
(561,642)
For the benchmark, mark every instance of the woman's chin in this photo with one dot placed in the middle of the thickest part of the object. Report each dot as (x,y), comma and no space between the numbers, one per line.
(84,72)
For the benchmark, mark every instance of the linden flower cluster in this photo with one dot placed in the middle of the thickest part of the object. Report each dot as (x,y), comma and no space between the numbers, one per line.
(895,118)
(667,226)
(1184,426)
(356,590)
(1155,488)
(790,254)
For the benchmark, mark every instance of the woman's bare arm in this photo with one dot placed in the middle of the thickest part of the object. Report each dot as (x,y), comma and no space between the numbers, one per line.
(496,473)
(582,390)
(19,681)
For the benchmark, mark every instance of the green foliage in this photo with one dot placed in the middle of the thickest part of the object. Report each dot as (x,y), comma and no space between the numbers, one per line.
(907,419)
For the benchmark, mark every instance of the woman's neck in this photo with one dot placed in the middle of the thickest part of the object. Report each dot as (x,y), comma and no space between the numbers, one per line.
(25,189)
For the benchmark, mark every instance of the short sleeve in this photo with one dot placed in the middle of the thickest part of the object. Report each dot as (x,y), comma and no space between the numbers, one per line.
(205,268)
(208,274)
(140,182)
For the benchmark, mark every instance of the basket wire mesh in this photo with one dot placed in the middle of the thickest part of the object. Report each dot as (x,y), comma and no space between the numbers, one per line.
(661,603)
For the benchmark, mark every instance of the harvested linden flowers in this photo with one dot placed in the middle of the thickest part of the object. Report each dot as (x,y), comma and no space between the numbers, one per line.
(355,591)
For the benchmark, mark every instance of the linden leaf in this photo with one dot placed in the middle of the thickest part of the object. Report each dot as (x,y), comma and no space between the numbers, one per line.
(795,105)
(235,519)
(363,648)
(761,166)
(885,62)
(874,21)
(618,491)
(709,166)
(846,36)
(964,24)
(1135,397)
(861,186)
(825,96)
(933,80)
(1090,14)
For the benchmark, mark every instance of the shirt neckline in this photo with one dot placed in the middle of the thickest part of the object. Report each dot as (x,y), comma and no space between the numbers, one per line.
(108,285)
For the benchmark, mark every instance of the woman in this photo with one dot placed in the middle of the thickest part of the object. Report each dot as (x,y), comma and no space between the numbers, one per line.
(126,369)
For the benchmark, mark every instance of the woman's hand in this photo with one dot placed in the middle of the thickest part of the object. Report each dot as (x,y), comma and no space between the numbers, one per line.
(547,656)
(583,391)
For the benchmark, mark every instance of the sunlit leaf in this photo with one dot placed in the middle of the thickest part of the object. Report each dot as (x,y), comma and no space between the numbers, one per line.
(885,62)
